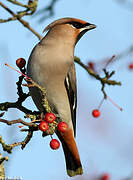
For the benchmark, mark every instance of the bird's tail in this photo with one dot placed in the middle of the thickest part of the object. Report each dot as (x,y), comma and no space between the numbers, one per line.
(73,164)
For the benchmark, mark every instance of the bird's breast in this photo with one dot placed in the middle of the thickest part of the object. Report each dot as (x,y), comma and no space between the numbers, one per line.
(49,64)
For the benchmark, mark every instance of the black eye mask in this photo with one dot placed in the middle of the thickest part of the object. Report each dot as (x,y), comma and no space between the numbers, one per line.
(78,25)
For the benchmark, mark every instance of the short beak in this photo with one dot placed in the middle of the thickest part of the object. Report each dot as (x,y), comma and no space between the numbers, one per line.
(91,26)
(88,27)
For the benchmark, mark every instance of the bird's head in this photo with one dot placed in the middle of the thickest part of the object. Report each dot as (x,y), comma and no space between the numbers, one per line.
(71,29)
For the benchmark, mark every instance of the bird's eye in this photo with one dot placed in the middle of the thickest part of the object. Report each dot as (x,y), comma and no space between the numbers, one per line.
(77,25)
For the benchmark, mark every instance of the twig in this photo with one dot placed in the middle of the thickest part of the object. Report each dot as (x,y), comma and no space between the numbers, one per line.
(18,121)
(109,61)
(2,114)
(46,12)
(8,147)
(22,96)
(3,159)
(6,105)
(27,139)
(5,147)
(19,18)
(104,80)
(2,169)
(18,3)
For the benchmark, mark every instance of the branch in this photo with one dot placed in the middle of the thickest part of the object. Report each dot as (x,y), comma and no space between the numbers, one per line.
(6,105)
(18,3)
(8,147)
(5,147)
(2,170)
(30,124)
(19,18)
(2,159)
(22,97)
(104,80)
(27,139)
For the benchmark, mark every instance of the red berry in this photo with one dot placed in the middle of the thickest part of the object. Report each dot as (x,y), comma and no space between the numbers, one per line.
(54,144)
(20,63)
(105,177)
(91,65)
(43,126)
(20,126)
(49,117)
(130,66)
(95,113)
(62,126)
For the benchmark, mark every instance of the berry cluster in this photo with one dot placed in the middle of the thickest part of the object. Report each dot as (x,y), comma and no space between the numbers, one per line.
(44,126)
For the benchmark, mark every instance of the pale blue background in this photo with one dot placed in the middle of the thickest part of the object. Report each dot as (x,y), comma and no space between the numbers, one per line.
(105,144)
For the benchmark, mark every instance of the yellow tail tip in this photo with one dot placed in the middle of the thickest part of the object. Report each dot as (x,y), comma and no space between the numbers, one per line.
(78,171)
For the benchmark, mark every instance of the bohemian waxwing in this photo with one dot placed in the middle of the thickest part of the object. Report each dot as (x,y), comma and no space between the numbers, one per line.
(51,65)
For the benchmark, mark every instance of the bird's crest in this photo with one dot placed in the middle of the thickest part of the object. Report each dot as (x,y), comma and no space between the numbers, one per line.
(63,21)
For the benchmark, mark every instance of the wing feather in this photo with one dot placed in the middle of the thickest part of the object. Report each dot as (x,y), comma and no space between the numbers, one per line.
(70,84)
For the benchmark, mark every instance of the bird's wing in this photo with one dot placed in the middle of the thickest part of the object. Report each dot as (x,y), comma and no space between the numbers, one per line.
(70,84)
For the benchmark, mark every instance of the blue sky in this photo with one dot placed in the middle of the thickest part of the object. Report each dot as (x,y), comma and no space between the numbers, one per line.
(105,144)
